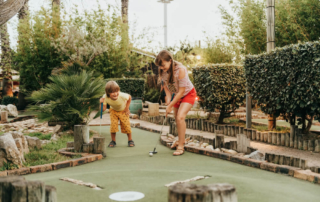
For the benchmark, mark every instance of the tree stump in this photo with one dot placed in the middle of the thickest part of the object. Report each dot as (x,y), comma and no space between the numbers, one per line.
(317,146)
(270,137)
(292,134)
(36,191)
(219,143)
(153,109)
(206,193)
(19,192)
(242,143)
(81,136)
(4,116)
(51,194)
(287,140)
(265,137)
(6,187)
(274,138)
(88,148)
(254,135)
(99,146)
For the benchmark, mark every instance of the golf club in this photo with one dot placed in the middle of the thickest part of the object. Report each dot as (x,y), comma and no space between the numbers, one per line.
(165,119)
(101,117)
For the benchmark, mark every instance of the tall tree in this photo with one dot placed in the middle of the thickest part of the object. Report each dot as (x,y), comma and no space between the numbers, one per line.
(9,8)
(124,10)
(5,64)
(21,96)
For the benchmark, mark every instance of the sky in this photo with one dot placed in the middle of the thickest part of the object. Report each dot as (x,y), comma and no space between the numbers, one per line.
(191,20)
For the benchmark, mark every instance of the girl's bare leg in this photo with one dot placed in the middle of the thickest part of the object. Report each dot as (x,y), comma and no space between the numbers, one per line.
(180,116)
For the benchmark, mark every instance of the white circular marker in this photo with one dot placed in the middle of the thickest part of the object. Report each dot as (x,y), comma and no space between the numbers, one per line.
(126,196)
(150,154)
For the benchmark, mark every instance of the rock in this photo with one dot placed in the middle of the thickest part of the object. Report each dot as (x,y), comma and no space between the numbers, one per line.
(209,147)
(229,151)
(6,125)
(57,129)
(44,142)
(70,132)
(192,144)
(204,145)
(54,137)
(25,148)
(19,145)
(60,134)
(256,155)
(13,111)
(9,147)
(34,142)
(3,158)
(31,131)
(218,150)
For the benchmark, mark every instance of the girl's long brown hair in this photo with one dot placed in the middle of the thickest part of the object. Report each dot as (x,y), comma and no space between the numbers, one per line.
(165,55)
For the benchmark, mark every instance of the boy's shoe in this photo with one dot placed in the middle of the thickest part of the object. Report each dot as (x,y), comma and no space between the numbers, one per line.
(131,143)
(112,144)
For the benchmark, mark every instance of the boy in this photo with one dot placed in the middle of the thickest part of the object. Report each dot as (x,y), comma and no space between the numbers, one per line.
(119,109)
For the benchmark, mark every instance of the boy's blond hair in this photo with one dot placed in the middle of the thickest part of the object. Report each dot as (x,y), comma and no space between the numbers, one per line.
(111,87)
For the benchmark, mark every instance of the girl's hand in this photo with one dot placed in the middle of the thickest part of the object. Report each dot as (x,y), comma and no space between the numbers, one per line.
(101,100)
(127,112)
(168,110)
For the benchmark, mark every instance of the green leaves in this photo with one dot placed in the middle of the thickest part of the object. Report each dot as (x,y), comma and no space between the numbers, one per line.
(290,81)
(220,86)
(134,87)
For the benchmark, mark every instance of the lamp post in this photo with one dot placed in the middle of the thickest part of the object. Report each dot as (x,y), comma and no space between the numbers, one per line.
(165,2)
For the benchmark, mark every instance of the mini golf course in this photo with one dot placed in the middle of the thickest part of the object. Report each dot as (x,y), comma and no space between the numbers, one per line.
(131,169)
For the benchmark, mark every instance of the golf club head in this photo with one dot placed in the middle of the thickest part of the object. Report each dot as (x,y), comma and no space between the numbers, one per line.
(153,152)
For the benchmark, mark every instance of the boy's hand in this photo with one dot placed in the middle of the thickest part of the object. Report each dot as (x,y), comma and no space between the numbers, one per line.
(127,112)
(101,100)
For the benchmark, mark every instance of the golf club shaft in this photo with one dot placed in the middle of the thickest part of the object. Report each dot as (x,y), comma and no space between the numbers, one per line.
(101,111)
(160,132)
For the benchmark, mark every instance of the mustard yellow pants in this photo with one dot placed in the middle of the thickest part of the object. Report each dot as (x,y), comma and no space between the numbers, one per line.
(124,122)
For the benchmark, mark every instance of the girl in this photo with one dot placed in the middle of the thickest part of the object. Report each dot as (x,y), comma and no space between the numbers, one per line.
(176,80)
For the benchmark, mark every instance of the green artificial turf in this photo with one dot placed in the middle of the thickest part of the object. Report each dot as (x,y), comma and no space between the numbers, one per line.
(131,169)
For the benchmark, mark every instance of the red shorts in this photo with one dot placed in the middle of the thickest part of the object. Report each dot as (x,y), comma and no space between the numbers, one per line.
(189,98)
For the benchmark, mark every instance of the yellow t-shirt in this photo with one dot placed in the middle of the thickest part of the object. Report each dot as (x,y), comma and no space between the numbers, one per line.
(119,104)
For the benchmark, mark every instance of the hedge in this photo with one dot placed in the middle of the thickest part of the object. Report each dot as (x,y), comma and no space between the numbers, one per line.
(134,87)
(286,80)
(9,100)
(220,86)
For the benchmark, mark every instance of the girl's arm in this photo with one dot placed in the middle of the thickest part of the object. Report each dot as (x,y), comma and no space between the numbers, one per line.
(168,95)
(181,91)
(104,106)
(127,106)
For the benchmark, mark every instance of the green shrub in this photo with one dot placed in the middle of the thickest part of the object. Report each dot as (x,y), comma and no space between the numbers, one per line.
(286,81)
(153,95)
(220,86)
(134,87)
(69,98)
(39,135)
(9,100)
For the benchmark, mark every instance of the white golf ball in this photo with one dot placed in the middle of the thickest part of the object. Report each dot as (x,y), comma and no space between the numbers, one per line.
(150,154)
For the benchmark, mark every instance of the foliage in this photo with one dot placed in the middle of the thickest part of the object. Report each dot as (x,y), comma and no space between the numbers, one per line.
(220,86)
(134,87)
(152,95)
(295,21)
(69,98)
(39,135)
(218,52)
(8,166)
(9,100)
(48,153)
(286,81)
(36,56)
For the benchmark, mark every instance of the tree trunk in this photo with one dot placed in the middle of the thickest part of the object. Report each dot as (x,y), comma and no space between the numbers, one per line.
(221,117)
(272,124)
(6,187)
(23,11)
(209,193)
(81,136)
(51,194)
(99,146)
(124,10)
(5,62)
(9,8)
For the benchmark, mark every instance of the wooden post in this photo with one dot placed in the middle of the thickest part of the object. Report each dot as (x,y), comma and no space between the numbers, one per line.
(51,194)
(271,37)
(281,160)
(311,145)
(153,109)
(248,109)
(36,191)
(278,139)
(258,136)
(243,142)
(6,187)
(253,134)
(219,143)
(233,145)
(19,191)
(209,193)
(286,161)
(265,137)
(305,145)
(276,159)
(99,146)
(300,143)
(292,134)
(274,138)
(81,136)
(88,148)
(287,140)
(317,146)
(4,117)
(237,130)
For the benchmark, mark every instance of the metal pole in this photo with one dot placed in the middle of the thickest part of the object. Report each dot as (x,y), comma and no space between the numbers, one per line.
(165,26)
(248,111)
